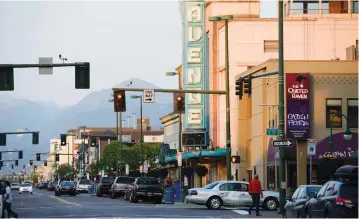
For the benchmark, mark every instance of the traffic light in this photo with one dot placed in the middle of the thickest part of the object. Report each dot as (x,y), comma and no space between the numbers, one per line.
(6,78)
(93,142)
(45,163)
(248,85)
(57,157)
(119,101)
(38,158)
(179,103)
(2,139)
(20,155)
(239,88)
(16,163)
(31,162)
(63,139)
(82,76)
(35,138)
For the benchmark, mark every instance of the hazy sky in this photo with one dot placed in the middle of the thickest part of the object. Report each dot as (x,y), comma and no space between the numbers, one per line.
(121,40)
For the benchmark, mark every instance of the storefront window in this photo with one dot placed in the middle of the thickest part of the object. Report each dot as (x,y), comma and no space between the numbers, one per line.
(270,178)
(352,113)
(333,107)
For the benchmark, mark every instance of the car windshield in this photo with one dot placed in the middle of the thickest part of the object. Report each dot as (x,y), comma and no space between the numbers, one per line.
(26,185)
(148,181)
(14,184)
(108,179)
(84,182)
(67,183)
(313,189)
(125,180)
(211,186)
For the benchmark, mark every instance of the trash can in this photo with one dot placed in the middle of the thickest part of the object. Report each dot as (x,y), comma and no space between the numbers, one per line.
(169,195)
(91,189)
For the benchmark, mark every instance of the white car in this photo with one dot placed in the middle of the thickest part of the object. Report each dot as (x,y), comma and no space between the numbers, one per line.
(83,185)
(25,187)
(15,186)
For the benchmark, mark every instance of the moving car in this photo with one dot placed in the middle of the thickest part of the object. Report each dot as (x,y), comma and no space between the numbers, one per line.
(118,188)
(296,204)
(25,187)
(338,197)
(104,186)
(146,188)
(229,193)
(66,187)
(15,186)
(51,186)
(83,185)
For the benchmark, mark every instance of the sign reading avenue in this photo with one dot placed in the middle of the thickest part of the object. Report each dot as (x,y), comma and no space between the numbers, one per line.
(284,143)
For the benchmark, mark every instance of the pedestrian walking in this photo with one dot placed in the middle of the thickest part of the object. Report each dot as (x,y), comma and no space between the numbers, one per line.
(7,201)
(255,190)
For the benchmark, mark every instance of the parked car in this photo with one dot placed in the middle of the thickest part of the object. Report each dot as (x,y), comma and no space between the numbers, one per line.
(42,185)
(83,185)
(338,197)
(118,188)
(146,188)
(295,206)
(229,193)
(52,185)
(104,187)
(25,187)
(66,187)
(15,186)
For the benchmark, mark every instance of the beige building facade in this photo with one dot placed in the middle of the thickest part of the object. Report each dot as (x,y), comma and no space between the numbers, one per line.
(333,88)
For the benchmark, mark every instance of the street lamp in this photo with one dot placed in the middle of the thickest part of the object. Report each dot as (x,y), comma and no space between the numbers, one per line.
(347,133)
(226,18)
(140,97)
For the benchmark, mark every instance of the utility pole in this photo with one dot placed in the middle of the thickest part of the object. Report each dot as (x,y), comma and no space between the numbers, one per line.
(282,181)
(118,136)
(141,138)
(120,139)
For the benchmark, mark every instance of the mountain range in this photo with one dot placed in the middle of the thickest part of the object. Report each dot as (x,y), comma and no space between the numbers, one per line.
(50,120)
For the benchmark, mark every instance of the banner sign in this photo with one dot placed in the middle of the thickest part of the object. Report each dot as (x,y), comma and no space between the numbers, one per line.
(298,115)
(297,86)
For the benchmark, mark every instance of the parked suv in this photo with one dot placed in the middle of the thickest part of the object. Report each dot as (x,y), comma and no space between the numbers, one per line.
(118,188)
(338,197)
(104,186)
(83,185)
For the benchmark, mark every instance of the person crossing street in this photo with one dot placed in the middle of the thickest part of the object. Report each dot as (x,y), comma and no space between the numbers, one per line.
(255,190)
(7,201)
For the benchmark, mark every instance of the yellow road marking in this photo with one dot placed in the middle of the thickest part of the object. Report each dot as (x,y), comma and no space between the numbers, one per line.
(64,201)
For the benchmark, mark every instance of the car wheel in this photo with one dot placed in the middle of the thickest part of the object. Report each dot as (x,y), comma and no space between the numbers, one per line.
(59,194)
(113,195)
(271,204)
(74,194)
(19,192)
(158,201)
(133,199)
(99,194)
(30,192)
(215,203)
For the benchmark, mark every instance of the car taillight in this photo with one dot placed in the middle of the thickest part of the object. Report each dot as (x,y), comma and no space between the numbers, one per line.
(193,192)
(342,201)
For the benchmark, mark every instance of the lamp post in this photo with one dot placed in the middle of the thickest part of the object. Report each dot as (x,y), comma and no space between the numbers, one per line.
(347,133)
(118,137)
(179,124)
(226,18)
(140,97)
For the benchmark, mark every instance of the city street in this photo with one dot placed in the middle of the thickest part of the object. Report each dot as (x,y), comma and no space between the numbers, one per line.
(45,205)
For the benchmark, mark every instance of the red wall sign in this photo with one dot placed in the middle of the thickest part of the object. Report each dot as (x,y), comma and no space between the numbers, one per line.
(297,86)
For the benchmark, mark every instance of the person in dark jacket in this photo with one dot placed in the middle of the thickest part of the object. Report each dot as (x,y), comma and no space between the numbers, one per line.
(255,190)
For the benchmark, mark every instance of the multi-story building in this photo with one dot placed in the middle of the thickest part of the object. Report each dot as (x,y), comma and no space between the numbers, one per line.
(328,87)
(308,35)
(313,30)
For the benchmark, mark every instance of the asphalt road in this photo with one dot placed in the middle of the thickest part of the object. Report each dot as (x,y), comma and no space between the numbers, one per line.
(43,204)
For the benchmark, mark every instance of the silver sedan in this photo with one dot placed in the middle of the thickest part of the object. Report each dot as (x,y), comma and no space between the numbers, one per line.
(229,193)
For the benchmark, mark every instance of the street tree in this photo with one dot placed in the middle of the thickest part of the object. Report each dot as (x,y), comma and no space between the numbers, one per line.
(63,170)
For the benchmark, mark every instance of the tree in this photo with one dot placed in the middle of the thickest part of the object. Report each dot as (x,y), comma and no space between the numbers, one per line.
(63,170)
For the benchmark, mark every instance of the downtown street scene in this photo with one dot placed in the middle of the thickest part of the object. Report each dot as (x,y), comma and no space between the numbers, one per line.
(179,109)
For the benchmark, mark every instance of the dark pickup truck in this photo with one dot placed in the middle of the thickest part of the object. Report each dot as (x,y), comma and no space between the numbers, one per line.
(146,189)
(104,186)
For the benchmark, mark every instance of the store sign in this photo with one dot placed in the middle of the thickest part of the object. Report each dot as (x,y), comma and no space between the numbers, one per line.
(297,86)
(193,62)
(298,119)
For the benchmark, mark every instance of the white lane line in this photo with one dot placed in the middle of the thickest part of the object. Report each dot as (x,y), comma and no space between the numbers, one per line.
(37,193)
(241,212)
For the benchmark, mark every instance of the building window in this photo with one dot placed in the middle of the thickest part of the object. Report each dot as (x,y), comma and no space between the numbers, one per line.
(354,8)
(335,6)
(333,107)
(352,113)
(305,7)
(270,45)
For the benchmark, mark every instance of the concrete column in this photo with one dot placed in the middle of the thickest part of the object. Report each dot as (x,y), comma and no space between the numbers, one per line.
(320,7)
(301,163)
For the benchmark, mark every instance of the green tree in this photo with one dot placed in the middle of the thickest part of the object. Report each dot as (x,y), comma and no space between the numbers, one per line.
(63,170)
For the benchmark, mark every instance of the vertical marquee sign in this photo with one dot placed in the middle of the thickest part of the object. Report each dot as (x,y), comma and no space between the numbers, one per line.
(298,115)
(193,63)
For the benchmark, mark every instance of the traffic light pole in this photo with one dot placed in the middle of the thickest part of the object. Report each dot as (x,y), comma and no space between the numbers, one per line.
(118,136)
(141,136)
